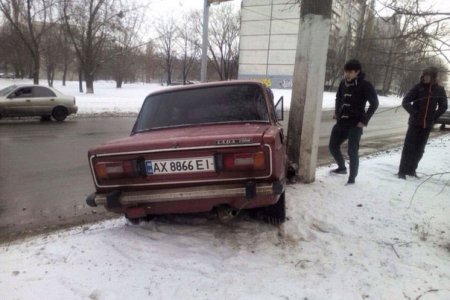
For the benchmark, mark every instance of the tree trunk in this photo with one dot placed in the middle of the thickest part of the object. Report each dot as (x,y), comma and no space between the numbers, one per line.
(184,72)
(333,82)
(119,82)
(169,75)
(36,69)
(89,83)
(64,74)
(80,79)
(50,75)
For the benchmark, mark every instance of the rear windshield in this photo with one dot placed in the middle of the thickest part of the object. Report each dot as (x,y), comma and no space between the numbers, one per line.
(207,105)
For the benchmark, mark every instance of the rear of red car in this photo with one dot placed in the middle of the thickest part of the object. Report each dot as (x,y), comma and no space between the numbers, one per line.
(194,149)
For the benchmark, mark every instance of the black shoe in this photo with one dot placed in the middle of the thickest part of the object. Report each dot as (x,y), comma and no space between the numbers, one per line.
(401,176)
(350,181)
(340,171)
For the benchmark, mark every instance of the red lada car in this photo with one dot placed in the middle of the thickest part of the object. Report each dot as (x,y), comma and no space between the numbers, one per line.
(197,148)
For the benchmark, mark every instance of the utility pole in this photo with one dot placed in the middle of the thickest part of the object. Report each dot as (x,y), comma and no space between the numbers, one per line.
(205,41)
(308,84)
(203,69)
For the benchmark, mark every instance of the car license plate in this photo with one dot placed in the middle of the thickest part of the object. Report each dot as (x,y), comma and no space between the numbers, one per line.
(174,166)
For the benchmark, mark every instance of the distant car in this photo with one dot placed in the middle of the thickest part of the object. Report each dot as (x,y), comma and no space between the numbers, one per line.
(196,148)
(180,82)
(7,75)
(444,120)
(35,100)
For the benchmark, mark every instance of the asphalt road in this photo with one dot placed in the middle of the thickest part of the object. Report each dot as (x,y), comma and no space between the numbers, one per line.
(45,178)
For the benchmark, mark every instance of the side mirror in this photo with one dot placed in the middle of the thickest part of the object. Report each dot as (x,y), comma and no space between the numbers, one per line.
(11,96)
(279,109)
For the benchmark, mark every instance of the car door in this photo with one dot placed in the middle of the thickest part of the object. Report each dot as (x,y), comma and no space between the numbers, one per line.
(20,102)
(44,100)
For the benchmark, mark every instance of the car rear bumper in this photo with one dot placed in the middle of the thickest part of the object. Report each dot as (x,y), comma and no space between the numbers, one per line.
(192,199)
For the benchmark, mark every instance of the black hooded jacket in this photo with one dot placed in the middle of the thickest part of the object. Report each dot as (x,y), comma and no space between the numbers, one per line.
(425,103)
(351,99)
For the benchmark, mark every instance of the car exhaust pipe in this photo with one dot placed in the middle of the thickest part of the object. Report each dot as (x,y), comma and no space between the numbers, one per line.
(90,200)
(226,213)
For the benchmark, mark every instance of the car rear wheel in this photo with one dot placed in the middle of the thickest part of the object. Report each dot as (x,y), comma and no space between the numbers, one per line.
(136,221)
(60,113)
(133,221)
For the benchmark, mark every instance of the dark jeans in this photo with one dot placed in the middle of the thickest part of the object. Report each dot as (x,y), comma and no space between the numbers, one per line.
(339,135)
(413,149)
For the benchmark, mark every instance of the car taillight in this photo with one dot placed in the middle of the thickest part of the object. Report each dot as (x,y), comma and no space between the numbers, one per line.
(244,161)
(105,170)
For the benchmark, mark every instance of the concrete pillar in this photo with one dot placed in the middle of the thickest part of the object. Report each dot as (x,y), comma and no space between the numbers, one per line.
(308,85)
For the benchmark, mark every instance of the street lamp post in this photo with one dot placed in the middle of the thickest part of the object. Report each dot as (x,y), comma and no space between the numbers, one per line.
(206,5)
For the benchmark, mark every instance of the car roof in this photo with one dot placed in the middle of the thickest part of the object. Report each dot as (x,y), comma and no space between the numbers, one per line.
(207,84)
(21,85)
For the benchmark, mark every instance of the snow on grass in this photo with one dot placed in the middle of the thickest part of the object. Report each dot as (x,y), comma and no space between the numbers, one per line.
(128,99)
(363,241)
(328,101)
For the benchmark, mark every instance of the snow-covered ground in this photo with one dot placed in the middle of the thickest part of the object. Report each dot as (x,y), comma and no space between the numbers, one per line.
(382,238)
(108,99)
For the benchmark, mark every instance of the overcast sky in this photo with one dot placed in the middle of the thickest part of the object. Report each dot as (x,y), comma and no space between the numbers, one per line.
(169,7)
(174,8)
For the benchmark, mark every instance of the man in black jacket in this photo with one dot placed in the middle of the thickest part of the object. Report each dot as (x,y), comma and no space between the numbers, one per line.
(425,103)
(351,115)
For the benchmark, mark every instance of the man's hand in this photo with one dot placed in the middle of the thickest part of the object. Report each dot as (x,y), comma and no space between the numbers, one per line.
(360,125)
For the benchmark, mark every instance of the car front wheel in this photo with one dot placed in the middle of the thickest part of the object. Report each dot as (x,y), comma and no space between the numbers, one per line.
(59,113)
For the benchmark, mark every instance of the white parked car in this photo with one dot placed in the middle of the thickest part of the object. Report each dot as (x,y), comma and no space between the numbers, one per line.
(36,100)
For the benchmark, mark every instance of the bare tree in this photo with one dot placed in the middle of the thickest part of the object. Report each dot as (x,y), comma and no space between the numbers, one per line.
(336,57)
(425,32)
(13,53)
(151,64)
(125,43)
(66,51)
(87,24)
(29,20)
(224,41)
(189,43)
(52,52)
(167,40)
(394,48)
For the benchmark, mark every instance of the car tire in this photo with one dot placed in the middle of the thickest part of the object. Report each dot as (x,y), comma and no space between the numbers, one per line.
(60,113)
(136,221)
(133,221)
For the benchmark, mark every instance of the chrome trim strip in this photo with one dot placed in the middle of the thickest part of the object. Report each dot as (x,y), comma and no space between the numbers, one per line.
(155,196)
(177,149)
(178,182)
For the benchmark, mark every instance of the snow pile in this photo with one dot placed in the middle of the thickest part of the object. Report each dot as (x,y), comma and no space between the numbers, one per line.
(377,239)
(128,99)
